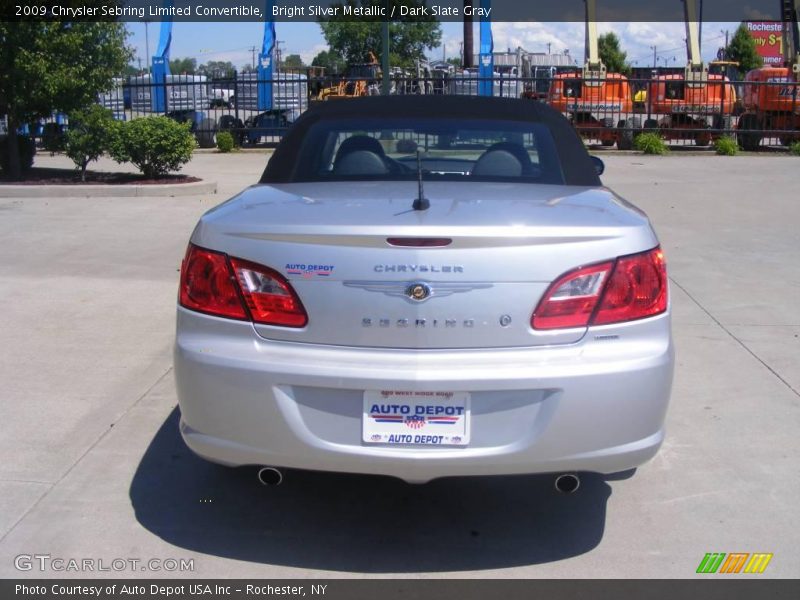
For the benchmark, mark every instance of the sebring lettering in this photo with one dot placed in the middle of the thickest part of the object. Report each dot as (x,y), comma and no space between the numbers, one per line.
(417,323)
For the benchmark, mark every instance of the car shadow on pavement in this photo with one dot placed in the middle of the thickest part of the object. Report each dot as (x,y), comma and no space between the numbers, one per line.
(361,523)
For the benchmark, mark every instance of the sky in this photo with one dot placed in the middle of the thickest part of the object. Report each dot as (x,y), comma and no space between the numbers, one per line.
(233,41)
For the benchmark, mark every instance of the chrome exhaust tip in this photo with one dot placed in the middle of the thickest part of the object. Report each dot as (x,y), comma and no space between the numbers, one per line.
(270,476)
(567,483)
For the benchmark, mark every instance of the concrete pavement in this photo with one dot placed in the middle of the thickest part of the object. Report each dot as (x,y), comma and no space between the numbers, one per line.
(94,466)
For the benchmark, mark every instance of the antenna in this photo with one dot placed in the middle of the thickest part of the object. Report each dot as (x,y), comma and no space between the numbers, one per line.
(420,202)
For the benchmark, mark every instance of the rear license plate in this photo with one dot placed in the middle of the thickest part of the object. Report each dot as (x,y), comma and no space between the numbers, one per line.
(415,418)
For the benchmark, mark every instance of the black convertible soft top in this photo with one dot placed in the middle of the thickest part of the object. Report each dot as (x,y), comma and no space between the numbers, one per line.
(576,164)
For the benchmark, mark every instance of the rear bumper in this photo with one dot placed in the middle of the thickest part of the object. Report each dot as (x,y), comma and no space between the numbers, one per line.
(598,405)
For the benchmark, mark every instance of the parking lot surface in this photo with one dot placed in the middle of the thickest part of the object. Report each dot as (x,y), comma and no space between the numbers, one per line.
(94,467)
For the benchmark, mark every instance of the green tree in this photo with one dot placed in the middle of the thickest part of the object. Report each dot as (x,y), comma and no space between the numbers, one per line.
(54,66)
(742,49)
(332,62)
(183,66)
(217,69)
(615,60)
(89,135)
(130,71)
(292,61)
(409,37)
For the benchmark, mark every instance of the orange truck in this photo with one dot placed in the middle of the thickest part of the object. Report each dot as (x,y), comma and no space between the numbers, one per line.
(771,96)
(693,105)
(599,104)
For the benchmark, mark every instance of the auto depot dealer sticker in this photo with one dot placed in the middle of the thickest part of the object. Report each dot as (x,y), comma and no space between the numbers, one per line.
(416,418)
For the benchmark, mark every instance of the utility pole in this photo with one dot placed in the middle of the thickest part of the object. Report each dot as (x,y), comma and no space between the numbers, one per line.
(386,84)
(147,58)
(466,62)
(253,51)
(700,29)
(655,55)
(548,47)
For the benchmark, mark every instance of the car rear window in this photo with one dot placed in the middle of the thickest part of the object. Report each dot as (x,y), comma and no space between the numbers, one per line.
(442,149)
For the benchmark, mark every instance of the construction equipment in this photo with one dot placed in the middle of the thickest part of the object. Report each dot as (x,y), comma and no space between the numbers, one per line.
(360,79)
(537,70)
(771,103)
(597,102)
(690,104)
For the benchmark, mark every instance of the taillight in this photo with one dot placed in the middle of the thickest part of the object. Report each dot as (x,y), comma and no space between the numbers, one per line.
(208,285)
(571,300)
(632,287)
(637,289)
(270,298)
(215,284)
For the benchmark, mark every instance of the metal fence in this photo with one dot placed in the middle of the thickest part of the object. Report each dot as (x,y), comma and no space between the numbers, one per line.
(609,112)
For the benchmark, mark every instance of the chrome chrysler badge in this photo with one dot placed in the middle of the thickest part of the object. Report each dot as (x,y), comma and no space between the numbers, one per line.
(418,291)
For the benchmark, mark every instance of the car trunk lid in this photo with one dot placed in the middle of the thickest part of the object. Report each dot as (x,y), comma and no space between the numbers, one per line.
(497,249)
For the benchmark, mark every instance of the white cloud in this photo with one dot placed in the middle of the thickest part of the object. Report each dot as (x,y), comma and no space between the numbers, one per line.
(535,37)
(236,57)
(308,55)
(636,38)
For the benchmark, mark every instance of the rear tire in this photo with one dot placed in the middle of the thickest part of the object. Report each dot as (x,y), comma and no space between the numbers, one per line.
(748,141)
(234,125)
(702,140)
(628,132)
(207,133)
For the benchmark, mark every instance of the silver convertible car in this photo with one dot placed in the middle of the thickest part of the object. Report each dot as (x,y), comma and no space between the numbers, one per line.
(425,287)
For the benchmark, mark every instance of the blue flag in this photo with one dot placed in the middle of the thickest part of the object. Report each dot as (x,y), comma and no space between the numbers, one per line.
(265,61)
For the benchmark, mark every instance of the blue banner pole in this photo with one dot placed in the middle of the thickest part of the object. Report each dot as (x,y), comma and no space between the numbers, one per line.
(486,57)
(160,65)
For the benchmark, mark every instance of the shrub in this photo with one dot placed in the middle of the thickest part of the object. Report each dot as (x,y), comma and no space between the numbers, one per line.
(650,143)
(156,145)
(89,135)
(27,149)
(225,141)
(726,146)
(795,149)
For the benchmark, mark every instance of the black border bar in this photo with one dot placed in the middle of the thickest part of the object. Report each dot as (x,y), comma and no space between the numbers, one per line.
(712,587)
(440,10)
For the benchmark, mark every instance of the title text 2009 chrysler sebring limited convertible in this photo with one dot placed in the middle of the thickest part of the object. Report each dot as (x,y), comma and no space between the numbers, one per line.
(425,287)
